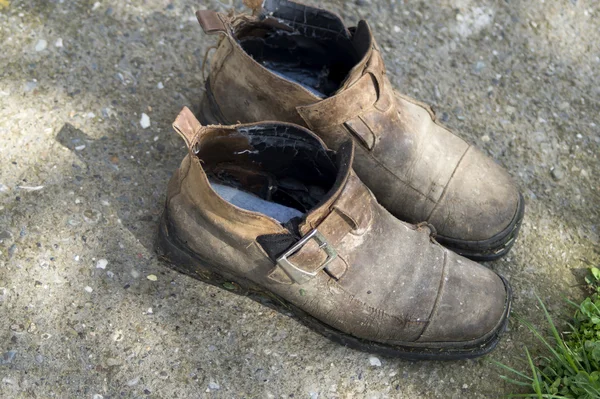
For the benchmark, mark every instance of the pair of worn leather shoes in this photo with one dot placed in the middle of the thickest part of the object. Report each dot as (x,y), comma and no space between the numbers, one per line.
(302,185)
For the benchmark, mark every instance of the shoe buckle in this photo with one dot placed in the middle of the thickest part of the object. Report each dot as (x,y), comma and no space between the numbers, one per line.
(297,274)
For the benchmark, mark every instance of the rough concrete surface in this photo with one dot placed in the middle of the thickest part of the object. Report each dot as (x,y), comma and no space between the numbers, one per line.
(87,310)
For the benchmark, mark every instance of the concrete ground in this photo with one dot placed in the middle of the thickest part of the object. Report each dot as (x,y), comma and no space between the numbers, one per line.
(86,309)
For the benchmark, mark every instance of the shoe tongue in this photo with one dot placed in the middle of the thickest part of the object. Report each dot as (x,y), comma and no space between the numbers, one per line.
(344,158)
(362,41)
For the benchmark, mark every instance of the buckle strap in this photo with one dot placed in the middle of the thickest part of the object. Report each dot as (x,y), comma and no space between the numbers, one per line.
(358,108)
(314,252)
(318,249)
(342,107)
(376,67)
(298,274)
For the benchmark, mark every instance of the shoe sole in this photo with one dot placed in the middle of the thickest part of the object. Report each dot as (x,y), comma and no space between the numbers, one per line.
(181,259)
(208,113)
(490,249)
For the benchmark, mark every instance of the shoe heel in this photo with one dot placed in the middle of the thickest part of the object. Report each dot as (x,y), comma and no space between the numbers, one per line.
(184,262)
(206,112)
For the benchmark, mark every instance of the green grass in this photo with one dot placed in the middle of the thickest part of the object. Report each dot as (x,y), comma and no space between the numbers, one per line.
(571,366)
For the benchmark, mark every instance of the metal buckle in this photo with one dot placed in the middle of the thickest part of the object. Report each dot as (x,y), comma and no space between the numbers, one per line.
(297,274)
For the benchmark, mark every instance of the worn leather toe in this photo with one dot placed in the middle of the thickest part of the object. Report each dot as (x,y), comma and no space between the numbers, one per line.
(472,303)
(480,201)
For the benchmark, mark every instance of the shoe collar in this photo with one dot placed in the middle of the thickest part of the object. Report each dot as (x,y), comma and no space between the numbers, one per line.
(244,140)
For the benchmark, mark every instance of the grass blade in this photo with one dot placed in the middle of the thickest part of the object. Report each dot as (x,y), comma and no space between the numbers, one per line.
(536,381)
(505,367)
(566,352)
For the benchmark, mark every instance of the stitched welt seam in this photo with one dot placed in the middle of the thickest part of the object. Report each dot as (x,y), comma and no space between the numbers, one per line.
(396,176)
(437,299)
(448,184)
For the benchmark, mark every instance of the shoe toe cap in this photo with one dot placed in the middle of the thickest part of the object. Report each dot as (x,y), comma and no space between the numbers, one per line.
(473,304)
(480,202)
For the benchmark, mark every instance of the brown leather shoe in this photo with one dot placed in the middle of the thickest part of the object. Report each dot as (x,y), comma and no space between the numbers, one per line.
(265,209)
(300,64)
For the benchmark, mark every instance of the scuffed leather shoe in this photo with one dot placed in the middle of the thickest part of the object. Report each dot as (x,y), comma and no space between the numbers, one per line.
(265,209)
(300,64)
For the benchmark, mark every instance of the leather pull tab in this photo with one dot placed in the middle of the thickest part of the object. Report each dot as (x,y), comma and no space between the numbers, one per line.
(187,125)
(210,22)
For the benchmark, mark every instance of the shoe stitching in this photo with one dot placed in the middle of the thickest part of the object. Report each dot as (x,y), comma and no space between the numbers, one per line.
(404,321)
(437,299)
(444,192)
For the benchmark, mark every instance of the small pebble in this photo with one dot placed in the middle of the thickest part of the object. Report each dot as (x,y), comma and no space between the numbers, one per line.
(80,147)
(31,188)
(39,358)
(8,357)
(133,381)
(101,264)
(213,386)
(163,375)
(375,361)
(160,85)
(397,29)
(59,42)
(485,138)
(91,215)
(96,6)
(152,277)
(30,86)
(111,362)
(149,311)
(110,274)
(145,121)
(88,289)
(118,336)
(479,66)
(5,236)
(557,173)
(108,112)
(97,396)
(41,45)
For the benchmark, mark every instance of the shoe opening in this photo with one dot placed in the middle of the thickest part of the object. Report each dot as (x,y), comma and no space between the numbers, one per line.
(315,57)
(275,169)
